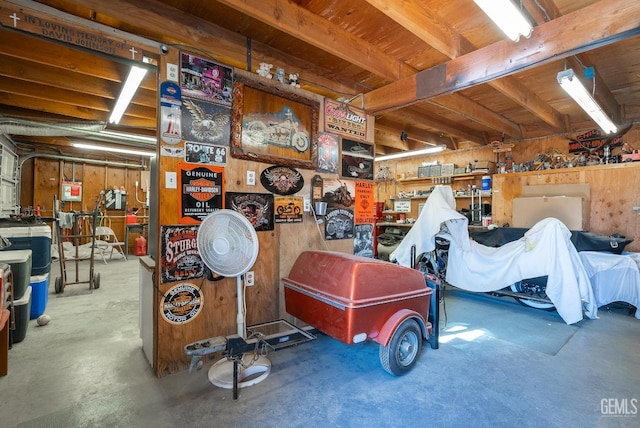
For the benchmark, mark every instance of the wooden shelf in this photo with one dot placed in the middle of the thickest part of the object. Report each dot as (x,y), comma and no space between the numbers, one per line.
(458,177)
(392,224)
(427,196)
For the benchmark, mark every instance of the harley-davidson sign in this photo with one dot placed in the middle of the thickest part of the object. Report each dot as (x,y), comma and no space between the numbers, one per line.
(201,191)
(181,303)
(594,140)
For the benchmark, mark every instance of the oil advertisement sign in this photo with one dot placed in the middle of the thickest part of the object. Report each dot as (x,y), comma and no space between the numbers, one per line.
(181,304)
(201,191)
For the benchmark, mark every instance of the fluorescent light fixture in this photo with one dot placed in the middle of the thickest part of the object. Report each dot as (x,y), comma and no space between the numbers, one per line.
(508,17)
(134,79)
(113,149)
(572,85)
(129,137)
(429,150)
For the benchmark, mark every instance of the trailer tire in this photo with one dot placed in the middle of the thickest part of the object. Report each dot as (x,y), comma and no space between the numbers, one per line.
(96,281)
(403,350)
(58,285)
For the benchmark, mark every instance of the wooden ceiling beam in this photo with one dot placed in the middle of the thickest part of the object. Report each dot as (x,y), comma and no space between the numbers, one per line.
(413,132)
(520,94)
(460,104)
(64,79)
(66,58)
(74,112)
(313,29)
(429,27)
(549,42)
(448,127)
(425,24)
(53,94)
(545,10)
(390,138)
(168,25)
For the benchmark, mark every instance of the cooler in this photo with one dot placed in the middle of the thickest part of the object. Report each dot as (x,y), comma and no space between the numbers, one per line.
(39,295)
(21,308)
(31,237)
(20,262)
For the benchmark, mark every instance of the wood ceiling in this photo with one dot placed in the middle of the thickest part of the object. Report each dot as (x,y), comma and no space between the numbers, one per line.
(437,69)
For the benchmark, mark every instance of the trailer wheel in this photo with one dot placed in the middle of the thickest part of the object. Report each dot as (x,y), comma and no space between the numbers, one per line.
(402,352)
(58,285)
(96,281)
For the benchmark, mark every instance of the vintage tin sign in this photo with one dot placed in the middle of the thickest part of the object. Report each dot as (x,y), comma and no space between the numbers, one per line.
(180,257)
(201,191)
(181,303)
(282,180)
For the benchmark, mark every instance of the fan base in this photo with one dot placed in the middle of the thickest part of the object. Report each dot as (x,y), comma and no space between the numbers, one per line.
(221,373)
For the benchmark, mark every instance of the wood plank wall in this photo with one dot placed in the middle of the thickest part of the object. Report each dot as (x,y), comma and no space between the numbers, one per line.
(41,179)
(278,251)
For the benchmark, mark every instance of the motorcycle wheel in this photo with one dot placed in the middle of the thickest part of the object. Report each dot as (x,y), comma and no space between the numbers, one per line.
(300,141)
(518,288)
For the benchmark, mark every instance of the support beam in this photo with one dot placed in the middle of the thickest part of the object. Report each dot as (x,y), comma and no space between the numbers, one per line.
(429,27)
(308,27)
(460,104)
(550,41)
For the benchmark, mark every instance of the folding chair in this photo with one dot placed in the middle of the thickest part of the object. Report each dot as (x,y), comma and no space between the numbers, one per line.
(107,241)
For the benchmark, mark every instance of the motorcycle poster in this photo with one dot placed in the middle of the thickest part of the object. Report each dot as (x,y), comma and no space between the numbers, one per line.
(357,160)
(280,129)
(204,122)
(206,80)
(288,209)
(327,153)
(338,224)
(338,193)
(363,240)
(255,207)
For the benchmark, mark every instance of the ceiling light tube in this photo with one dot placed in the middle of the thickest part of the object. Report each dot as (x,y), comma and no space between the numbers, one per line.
(508,17)
(572,85)
(113,149)
(130,137)
(134,79)
(411,153)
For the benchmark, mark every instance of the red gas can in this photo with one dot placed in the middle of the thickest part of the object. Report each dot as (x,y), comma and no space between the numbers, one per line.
(141,246)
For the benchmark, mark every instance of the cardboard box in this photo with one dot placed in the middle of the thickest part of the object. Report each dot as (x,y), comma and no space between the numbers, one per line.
(573,211)
(485,166)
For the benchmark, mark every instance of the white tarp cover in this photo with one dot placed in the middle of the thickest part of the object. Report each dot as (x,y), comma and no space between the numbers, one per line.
(614,278)
(546,249)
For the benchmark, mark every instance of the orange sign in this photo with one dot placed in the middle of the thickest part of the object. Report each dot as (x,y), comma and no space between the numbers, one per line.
(364,206)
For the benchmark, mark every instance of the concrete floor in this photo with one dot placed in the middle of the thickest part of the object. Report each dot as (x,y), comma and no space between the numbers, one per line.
(499,365)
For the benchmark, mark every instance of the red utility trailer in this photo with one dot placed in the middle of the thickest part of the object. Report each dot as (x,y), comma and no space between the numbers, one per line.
(354,299)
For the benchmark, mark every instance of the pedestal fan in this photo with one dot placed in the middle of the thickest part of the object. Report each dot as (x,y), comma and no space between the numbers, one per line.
(228,245)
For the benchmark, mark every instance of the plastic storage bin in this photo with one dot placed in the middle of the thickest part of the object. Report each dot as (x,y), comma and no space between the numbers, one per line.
(39,295)
(20,262)
(21,308)
(36,238)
